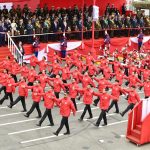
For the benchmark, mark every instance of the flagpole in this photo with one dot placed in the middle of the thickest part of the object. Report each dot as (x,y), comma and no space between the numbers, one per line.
(82,45)
(93,51)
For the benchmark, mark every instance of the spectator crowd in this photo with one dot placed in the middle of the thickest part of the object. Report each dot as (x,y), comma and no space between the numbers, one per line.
(20,21)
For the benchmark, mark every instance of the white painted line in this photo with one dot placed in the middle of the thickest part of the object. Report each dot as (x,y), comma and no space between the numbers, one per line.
(101,141)
(23,131)
(39,139)
(11,114)
(3,107)
(98,116)
(91,109)
(16,122)
(114,123)
(79,103)
(122,136)
(6,107)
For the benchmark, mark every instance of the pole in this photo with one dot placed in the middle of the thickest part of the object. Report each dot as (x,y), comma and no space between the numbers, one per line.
(82,46)
(93,28)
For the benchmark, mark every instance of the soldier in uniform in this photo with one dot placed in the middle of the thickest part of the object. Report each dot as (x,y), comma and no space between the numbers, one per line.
(18,11)
(5,11)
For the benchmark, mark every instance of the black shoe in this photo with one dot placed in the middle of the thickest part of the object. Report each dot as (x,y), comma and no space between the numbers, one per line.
(10,106)
(38,116)
(55,133)
(38,124)
(117,112)
(94,104)
(96,125)
(50,125)
(80,119)
(104,124)
(121,114)
(24,111)
(90,117)
(78,99)
(67,133)
(26,115)
(1,102)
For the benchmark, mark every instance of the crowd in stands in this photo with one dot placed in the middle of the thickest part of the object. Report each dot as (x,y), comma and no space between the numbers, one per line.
(20,21)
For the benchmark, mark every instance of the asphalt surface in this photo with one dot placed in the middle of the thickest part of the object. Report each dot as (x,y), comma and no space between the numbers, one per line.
(20,133)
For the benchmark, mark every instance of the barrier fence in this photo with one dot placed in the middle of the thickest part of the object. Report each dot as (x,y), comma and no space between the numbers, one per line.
(14,49)
(73,35)
(77,35)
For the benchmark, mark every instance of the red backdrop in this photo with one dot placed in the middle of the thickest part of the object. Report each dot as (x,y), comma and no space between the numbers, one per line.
(66,3)
(31,3)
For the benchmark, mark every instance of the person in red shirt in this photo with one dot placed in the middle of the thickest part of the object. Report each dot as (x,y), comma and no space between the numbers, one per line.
(54,70)
(92,70)
(116,91)
(23,93)
(31,76)
(87,100)
(146,86)
(49,101)
(24,70)
(57,85)
(14,70)
(6,63)
(133,98)
(42,64)
(104,104)
(66,106)
(119,76)
(9,89)
(33,61)
(86,80)
(133,79)
(73,91)
(36,89)
(145,73)
(43,78)
(102,84)
(4,77)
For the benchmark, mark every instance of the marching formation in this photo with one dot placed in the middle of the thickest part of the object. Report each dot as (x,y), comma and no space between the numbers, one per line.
(78,77)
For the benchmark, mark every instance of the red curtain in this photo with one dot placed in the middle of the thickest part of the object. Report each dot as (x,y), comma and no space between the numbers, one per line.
(66,3)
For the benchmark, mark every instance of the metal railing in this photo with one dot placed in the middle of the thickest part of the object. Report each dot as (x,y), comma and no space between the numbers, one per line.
(14,50)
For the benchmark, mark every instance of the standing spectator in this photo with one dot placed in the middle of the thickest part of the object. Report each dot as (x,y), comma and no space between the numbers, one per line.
(2,34)
(30,30)
(124,9)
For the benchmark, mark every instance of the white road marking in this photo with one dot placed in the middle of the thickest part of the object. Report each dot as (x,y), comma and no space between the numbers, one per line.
(23,131)
(98,116)
(11,114)
(122,136)
(79,103)
(6,107)
(91,109)
(16,122)
(114,123)
(3,107)
(101,141)
(39,139)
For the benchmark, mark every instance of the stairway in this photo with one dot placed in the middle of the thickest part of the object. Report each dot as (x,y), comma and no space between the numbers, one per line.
(138,130)
(135,134)
(4,51)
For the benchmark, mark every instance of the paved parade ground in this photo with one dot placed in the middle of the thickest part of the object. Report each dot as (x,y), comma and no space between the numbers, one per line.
(20,133)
